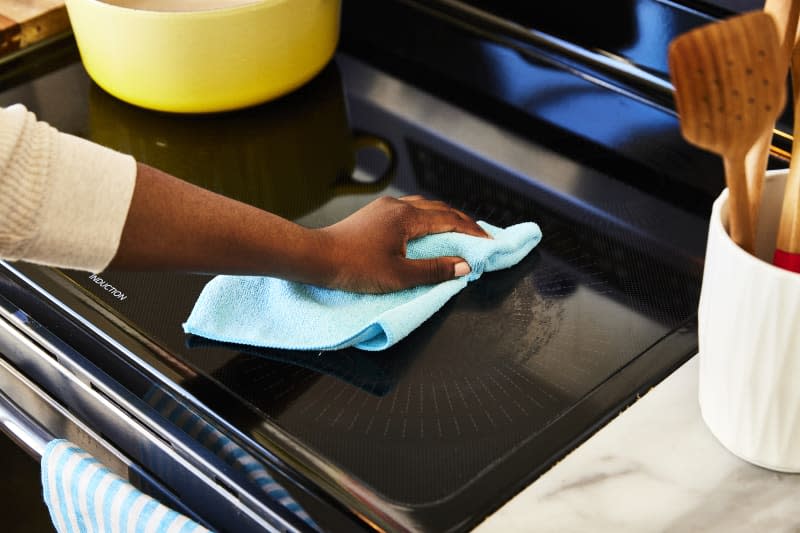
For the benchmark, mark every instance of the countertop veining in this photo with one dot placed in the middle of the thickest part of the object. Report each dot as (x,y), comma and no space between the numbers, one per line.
(656,467)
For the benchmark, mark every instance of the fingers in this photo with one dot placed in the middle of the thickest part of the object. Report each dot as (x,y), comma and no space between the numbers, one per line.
(411,198)
(437,217)
(431,271)
(436,205)
(421,202)
(436,221)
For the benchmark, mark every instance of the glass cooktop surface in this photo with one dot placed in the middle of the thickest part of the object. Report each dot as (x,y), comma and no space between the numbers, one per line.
(520,366)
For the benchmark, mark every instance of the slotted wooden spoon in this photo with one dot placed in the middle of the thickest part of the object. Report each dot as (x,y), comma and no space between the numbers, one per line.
(727,78)
(785,13)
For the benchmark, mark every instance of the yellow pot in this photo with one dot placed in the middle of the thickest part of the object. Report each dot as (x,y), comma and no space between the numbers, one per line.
(206,60)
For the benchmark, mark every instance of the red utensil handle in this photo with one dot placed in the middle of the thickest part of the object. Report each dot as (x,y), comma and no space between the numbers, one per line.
(787,260)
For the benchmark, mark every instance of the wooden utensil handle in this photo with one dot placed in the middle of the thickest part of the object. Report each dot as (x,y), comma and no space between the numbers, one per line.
(789,226)
(787,245)
(741,230)
(785,14)
(756,167)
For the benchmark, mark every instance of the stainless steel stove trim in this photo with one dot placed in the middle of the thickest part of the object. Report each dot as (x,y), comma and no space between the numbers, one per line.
(33,418)
(17,424)
(27,348)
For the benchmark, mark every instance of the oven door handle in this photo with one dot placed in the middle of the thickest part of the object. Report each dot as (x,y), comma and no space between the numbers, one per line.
(24,430)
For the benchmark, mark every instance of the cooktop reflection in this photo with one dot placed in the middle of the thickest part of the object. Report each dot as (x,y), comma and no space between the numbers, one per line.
(514,371)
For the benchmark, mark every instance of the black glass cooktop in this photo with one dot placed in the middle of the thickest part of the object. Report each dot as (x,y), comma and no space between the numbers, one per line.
(438,431)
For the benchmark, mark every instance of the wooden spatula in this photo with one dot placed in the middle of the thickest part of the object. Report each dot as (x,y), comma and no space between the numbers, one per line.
(787,251)
(785,14)
(727,78)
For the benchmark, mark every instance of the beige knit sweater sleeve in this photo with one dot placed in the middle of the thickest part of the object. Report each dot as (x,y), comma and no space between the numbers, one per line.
(63,200)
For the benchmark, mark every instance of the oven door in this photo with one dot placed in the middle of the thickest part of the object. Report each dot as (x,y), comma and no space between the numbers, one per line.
(50,391)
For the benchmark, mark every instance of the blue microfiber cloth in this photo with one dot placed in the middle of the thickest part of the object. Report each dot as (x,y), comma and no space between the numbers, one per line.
(270,312)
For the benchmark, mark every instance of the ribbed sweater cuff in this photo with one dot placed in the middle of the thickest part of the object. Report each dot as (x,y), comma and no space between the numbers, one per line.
(85,192)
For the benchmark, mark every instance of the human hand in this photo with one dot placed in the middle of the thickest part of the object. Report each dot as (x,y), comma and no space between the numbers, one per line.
(367,250)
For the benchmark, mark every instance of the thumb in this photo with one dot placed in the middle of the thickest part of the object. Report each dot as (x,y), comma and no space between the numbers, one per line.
(429,271)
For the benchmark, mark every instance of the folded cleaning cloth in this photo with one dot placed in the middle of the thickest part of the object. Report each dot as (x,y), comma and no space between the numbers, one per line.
(84,496)
(270,312)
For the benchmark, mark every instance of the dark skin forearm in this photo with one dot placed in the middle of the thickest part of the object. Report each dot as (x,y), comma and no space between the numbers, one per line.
(174,225)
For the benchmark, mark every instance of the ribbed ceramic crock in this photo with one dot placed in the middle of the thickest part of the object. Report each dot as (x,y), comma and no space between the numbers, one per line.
(749,335)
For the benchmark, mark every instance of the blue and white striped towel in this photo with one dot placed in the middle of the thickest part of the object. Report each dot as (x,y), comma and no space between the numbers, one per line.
(227,450)
(84,496)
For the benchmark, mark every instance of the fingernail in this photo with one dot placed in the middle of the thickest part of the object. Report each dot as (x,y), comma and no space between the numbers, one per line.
(462,269)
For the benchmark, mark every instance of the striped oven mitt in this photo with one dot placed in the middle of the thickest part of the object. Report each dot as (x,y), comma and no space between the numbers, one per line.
(84,496)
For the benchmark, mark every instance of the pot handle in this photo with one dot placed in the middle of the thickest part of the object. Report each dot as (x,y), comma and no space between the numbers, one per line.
(348,184)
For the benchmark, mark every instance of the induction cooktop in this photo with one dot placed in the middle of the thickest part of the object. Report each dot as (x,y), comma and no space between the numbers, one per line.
(512,373)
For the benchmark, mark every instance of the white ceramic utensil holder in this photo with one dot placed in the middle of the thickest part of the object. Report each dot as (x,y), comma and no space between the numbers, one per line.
(749,337)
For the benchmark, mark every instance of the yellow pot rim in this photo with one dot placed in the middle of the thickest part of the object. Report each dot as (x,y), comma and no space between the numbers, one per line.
(257,5)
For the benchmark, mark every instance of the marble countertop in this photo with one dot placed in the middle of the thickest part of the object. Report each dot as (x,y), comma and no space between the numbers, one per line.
(656,467)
